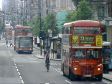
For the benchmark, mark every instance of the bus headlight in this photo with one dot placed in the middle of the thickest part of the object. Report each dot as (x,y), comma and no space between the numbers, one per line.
(75,68)
(99,65)
(99,69)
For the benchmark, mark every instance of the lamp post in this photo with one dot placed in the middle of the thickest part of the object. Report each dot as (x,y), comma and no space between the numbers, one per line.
(39,8)
(48,39)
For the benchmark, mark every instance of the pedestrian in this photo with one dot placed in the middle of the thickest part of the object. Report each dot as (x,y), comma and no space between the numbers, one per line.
(106,59)
(47,61)
(58,53)
(7,43)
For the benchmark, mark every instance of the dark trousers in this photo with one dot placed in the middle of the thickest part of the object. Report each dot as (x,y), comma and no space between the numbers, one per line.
(106,68)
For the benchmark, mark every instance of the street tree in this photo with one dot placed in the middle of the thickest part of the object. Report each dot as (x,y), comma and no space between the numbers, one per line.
(50,23)
(35,24)
(82,12)
(76,2)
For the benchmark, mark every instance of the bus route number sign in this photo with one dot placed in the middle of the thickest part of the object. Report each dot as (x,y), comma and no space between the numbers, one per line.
(99,40)
(87,39)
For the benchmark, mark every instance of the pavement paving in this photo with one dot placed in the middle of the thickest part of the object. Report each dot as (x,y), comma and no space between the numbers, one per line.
(42,57)
(108,76)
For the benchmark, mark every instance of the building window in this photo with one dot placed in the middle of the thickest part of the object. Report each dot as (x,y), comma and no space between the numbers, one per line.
(101,12)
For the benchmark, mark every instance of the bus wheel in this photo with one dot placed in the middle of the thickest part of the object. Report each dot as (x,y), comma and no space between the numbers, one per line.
(71,76)
(99,77)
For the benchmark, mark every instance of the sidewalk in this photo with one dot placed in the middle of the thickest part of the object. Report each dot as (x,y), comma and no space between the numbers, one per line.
(42,57)
(108,76)
(52,57)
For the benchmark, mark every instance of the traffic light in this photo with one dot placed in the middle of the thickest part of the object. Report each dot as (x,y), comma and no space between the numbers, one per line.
(42,35)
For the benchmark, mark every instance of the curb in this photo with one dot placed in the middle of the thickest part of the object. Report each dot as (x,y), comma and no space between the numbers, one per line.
(107,79)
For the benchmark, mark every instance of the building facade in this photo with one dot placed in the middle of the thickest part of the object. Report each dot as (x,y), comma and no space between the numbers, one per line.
(20,11)
(10,10)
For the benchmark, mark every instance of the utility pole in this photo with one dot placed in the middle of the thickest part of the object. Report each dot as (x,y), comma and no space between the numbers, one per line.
(39,9)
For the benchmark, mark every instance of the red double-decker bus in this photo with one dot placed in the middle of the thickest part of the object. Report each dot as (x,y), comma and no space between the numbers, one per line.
(23,39)
(81,49)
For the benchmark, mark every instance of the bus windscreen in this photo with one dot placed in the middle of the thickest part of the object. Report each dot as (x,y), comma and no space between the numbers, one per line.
(86,54)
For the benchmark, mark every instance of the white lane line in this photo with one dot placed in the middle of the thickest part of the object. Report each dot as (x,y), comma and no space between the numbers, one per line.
(20,75)
(15,64)
(68,82)
(17,69)
(22,82)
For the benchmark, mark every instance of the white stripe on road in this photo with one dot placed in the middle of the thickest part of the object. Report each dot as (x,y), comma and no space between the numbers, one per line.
(22,82)
(20,76)
(68,82)
(47,83)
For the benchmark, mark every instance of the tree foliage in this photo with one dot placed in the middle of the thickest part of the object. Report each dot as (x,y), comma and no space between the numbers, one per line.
(82,12)
(76,2)
(50,23)
(35,24)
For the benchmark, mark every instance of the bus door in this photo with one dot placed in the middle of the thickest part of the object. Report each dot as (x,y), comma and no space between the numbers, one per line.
(65,65)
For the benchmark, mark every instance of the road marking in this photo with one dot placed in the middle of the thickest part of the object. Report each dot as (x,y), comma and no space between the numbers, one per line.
(68,82)
(20,76)
(22,82)
(17,69)
(47,83)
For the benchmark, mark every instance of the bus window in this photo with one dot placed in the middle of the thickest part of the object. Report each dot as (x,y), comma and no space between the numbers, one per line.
(89,54)
(79,53)
(92,54)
